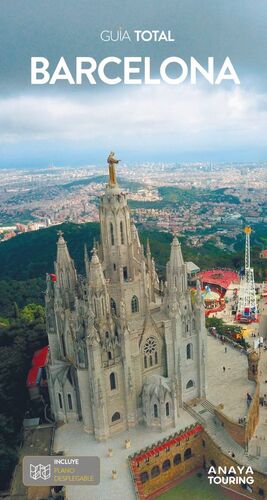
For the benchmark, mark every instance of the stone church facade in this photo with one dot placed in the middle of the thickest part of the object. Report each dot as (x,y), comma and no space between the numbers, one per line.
(124,348)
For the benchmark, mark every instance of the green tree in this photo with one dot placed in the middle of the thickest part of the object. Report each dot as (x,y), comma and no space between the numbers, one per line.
(32,312)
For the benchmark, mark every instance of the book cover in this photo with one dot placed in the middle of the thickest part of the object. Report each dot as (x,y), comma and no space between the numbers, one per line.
(133,180)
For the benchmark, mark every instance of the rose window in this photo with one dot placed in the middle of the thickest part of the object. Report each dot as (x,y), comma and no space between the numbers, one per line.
(150,346)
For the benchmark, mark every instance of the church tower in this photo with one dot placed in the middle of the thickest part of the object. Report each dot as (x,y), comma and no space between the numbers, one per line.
(123,349)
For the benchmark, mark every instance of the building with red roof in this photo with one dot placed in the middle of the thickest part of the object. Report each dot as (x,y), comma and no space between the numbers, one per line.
(36,375)
(221,278)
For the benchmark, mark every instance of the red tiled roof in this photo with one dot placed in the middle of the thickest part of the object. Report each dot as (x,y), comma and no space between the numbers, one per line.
(219,277)
(38,361)
(39,357)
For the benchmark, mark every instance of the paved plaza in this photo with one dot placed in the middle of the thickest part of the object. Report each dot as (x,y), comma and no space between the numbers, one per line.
(230,387)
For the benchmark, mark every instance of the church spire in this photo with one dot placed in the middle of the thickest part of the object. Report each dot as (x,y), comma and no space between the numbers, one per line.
(176,270)
(97,279)
(65,271)
(176,257)
(148,252)
(63,256)
(98,289)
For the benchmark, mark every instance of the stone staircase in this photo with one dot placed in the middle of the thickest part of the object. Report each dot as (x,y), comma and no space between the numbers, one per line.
(203,412)
(208,405)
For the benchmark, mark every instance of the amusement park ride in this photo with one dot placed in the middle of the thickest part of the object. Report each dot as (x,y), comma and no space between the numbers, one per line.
(247,304)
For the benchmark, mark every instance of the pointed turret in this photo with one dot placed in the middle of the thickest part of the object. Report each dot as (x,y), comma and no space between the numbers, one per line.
(151,271)
(176,269)
(98,289)
(176,257)
(148,252)
(63,256)
(66,272)
(148,257)
(96,275)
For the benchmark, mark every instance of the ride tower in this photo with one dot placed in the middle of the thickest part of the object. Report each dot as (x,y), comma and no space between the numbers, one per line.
(247,304)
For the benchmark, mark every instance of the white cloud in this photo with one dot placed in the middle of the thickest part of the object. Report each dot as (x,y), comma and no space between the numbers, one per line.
(176,117)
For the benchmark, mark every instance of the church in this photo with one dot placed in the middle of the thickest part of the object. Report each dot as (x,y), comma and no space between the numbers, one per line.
(124,348)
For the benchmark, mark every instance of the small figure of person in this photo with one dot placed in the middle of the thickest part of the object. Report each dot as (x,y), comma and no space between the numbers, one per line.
(225,350)
(223,368)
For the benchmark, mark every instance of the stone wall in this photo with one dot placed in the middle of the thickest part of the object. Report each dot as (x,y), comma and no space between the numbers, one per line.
(215,457)
(253,414)
(235,430)
(239,432)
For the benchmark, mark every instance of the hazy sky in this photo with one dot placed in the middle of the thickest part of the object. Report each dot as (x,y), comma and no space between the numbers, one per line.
(79,124)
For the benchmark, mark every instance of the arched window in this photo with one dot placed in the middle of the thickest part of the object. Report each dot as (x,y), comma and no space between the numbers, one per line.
(125,273)
(112,380)
(189,351)
(187,454)
(190,384)
(69,401)
(103,306)
(144,477)
(113,306)
(112,234)
(166,465)
(150,350)
(193,324)
(155,471)
(116,416)
(109,355)
(121,232)
(145,361)
(155,411)
(167,407)
(177,459)
(60,401)
(135,304)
